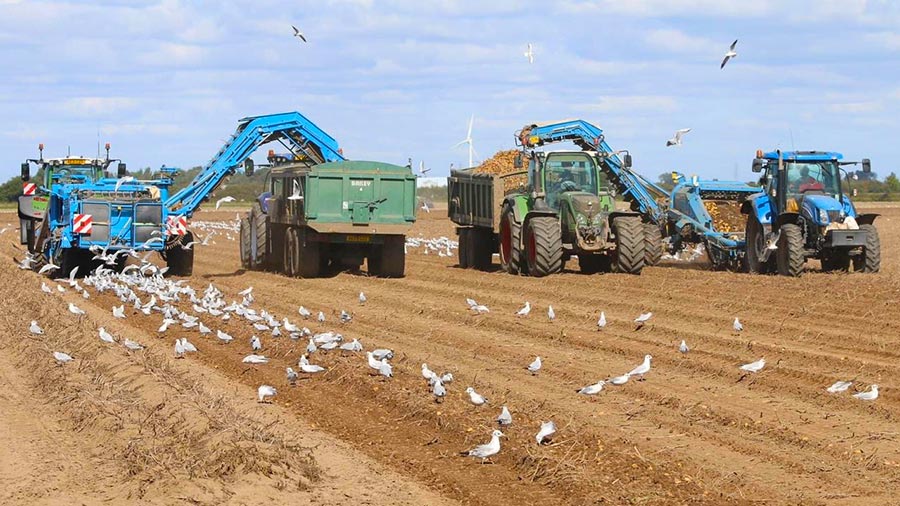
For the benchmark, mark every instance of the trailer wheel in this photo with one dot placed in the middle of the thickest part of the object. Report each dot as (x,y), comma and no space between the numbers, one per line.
(789,256)
(309,258)
(870,259)
(592,264)
(291,257)
(245,242)
(389,261)
(179,260)
(543,246)
(756,247)
(481,248)
(463,249)
(630,244)
(653,245)
(510,240)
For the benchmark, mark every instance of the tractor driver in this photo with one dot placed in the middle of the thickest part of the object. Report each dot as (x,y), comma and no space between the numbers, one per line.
(806,182)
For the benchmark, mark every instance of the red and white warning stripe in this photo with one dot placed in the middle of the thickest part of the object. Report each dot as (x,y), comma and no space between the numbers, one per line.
(83,224)
(29,188)
(177,225)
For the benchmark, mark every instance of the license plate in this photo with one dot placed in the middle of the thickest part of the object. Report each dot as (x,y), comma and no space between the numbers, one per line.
(359,238)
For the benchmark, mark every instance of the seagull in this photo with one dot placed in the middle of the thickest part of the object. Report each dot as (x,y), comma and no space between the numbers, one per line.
(382,353)
(132,345)
(255,359)
(122,180)
(265,391)
(535,366)
(737,325)
(683,348)
(428,374)
(592,389)
(308,368)
(839,386)
(345,317)
(105,336)
(225,338)
(61,357)
(165,325)
(602,321)
(119,312)
(619,380)
(676,140)
(551,314)
(481,309)
(476,398)
(385,369)
(321,317)
(642,369)
(505,417)
(471,302)
(35,328)
(298,33)
(871,395)
(47,268)
(304,313)
(642,319)
(422,169)
(291,375)
(447,378)
(353,345)
(255,343)
(731,53)
(525,310)
(75,309)
(224,200)
(546,433)
(311,347)
(188,347)
(179,349)
(45,288)
(438,391)
(529,53)
(488,450)
(754,366)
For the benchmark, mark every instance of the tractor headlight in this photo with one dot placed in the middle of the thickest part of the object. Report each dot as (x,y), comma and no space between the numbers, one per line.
(598,220)
(823,216)
(581,220)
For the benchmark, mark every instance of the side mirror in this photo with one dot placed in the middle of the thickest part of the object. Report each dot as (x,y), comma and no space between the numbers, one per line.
(757,165)
(517,162)
(248,167)
(26,171)
(627,160)
(867,165)
(120,170)
(854,192)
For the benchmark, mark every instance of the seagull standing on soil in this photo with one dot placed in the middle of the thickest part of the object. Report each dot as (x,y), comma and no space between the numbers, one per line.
(106,337)
(551,314)
(592,389)
(35,328)
(438,391)
(179,349)
(754,366)
(61,357)
(642,369)
(362,298)
(266,392)
(619,380)
(839,386)
(474,397)
(871,395)
(676,140)
(525,310)
(488,450)
(602,321)
(291,375)
(118,312)
(684,347)
(731,53)
(737,325)
(505,417)
(546,433)
(75,309)
(642,319)
(535,366)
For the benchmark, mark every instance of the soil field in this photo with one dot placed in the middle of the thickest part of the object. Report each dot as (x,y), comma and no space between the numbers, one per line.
(116,426)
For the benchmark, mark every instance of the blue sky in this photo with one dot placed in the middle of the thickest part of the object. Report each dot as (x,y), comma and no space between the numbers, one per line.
(166,81)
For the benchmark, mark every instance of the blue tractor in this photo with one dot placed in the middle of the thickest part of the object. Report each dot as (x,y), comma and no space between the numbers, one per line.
(804,213)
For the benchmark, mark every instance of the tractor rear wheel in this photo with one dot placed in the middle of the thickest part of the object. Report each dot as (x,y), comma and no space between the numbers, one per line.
(179,260)
(630,243)
(543,246)
(756,247)
(870,259)
(463,249)
(789,256)
(259,237)
(245,242)
(510,242)
(653,245)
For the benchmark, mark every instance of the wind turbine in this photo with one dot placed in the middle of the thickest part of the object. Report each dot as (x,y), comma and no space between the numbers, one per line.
(468,140)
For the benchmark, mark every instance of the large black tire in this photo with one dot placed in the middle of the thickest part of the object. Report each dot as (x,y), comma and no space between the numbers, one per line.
(653,245)
(756,246)
(463,249)
(259,237)
(870,259)
(245,242)
(543,246)
(481,248)
(510,243)
(291,257)
(309,256)
(389,260)
(789,257)
(179,260)
(69,259)
(592,264)
(630,243)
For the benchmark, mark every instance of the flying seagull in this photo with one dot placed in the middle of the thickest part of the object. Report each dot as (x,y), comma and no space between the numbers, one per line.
(730,54)
(223,200)
(530,53)
(298,33)
(676,140)
(422,169)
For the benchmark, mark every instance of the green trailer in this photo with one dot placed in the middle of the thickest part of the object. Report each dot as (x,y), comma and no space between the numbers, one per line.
(320,218)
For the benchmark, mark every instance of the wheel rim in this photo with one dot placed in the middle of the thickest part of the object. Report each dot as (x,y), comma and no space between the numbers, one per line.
(532,248)
(505,240)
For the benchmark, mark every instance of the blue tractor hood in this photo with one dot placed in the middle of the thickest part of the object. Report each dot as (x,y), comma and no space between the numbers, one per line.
(812,204)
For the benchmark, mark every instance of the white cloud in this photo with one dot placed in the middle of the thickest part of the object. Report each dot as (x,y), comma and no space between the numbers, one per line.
(887,40)
(174,54)
(680,42)
(633,103)
(666,8)
(99,105)
(861,107)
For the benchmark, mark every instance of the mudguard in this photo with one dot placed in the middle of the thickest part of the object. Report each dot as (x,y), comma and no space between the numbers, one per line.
(866,219)
(785,218)
(760,206)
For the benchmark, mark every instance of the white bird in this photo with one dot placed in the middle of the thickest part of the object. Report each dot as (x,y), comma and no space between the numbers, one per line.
(383,353)
(428,374)
(132,345)
(165,325)
(45,288)
(105,336)
(731,53)
(35,328)
(290,327)
(683,348)
(488,450)
(188,347)
(203,328)
(255,359)
(247,292)
(385,369)
(468,141)
(345,317)
(298,33)
(871,395)
(224,200)
(179,349)
(602,321)
(642,369)
(225,338)
(61,357)
(47,268)
(422,169)
(737,325)
(754,366)
(535,366)
(308,368)
(676,140)
(551,314)
(592,389)
(427,210)
(255,343)
(304,313)
(505,417)
(362,298)
(481,309)
(311,347)
(447,377)
(321,317)
(525,309)
(438,391)
(839,386)
(476,398)
(291,375)
(471,302)
(642,319)
(75,309)
(353,345)
(119,312)
(529,53)
(619,380)
(265,392)
(546,433)
(122,180)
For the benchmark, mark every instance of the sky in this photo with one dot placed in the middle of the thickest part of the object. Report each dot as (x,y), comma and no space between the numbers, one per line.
(165,82)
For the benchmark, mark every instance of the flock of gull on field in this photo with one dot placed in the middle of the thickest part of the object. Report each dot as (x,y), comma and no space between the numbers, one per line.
(142,287)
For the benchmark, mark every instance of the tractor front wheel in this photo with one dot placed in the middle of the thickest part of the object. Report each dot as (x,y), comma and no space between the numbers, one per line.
(653,245)
(870,259)
(543,246)
(789,257)
(756,247)
(630,244)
